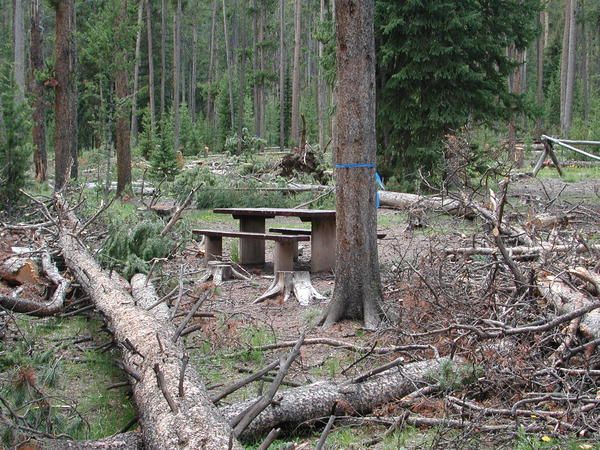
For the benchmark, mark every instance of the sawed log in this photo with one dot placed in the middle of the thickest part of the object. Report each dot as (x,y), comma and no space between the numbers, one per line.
(148,350)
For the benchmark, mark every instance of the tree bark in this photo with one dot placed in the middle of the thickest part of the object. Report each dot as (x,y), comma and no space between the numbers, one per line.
(163,57)
(321,87)
(176,74)
(40,157)
(150,64)
(567,69)
(122,120)
(307,403)
(241,76)
(228,58)
(194,75)
(295,132)
(357,294)
(281,75)
(136,74)
(196,424)
(65,102)
(211,63)
(19,49)
(539,94)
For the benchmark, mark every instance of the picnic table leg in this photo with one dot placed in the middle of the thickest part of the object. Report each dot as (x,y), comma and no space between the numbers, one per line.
(322,245)
(284,256)
(213,248)
(252,251)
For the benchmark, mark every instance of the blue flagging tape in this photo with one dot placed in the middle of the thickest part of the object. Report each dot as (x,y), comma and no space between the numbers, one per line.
(352,166)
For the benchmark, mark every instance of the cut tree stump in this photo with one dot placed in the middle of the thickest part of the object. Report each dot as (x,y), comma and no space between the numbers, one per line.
(219,272)
(288,282)
(20,270)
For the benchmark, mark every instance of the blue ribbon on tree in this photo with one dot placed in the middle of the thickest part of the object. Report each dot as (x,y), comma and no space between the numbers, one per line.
(378,179)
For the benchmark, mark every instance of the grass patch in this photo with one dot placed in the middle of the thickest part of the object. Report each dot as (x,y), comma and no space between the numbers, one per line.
(571,174)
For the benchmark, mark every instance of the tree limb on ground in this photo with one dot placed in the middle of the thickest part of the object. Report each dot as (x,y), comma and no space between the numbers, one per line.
(147,341)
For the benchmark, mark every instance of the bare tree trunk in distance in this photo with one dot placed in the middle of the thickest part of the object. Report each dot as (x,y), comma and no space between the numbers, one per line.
(357,294)
(136,73)
(255,66)
(585,66)
(19,49)
(194,76)
(176,74)
(65,99)
(281,75)
(321,86)
(163,56)
(40,158)
(122,121)
(516,153)
(295,133)
(539,93)
(150,63)
(571,53)
(261,68)
(242,75)
(228,58)
(211,64)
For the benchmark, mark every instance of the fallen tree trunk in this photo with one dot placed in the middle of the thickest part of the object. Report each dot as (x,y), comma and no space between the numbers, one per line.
(402,200)
(566,300)
(150,357)
(38,309)
(523,250)
(307,403)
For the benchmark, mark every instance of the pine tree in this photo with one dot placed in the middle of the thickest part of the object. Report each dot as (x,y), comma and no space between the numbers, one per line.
(443,63)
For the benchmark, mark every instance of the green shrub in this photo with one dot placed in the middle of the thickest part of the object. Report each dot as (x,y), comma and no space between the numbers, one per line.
(250,143)
(163,161)
(130,250)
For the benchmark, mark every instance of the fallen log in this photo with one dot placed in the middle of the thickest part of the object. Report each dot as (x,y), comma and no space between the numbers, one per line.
(39,309)
(402,200)
(567,299)
(149,357)
(131,440)
(523,250)
(304,404)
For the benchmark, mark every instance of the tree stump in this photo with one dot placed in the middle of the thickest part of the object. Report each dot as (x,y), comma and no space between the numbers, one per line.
(219,272)
(289,282)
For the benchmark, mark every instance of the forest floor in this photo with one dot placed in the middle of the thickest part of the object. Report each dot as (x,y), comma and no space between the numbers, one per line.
(432,300)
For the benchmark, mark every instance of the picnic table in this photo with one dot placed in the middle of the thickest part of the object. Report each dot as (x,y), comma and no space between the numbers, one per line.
(252,251)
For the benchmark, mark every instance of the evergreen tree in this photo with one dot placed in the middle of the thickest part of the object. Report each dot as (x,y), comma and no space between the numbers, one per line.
(15,145)
(443,63)
(163,162)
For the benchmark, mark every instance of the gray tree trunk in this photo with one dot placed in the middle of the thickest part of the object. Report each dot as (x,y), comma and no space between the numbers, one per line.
(281,75)
(357,294)
(228,58)
(150,63)
(163,56)
(295,126)
(176,74)
(123,139)
(194,75)
(539,94)
(196,424)
(304,404)
(40,157)
(321,87)
(136,74)
(211,58)
(19,49)
(570,86)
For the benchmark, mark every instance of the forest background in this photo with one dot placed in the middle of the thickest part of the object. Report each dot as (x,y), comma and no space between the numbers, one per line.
(166,76)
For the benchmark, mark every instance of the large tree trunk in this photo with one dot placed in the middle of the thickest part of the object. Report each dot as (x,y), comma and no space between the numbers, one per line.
(357,294)
(295,133)
(228,58)
(122,121)
(211,63)
(19,49)
(65,99)
(281,75)
(303,405)
(150,63)
(176,74)
(321,87)
(163,57)
(539,94)
(567,68)
(40,157)
(195,424)
(136,74)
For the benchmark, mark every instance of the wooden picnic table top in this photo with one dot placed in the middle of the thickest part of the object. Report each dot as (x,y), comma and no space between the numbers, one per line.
(305,214)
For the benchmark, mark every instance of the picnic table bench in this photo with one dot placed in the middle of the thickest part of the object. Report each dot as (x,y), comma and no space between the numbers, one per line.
(285,245)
